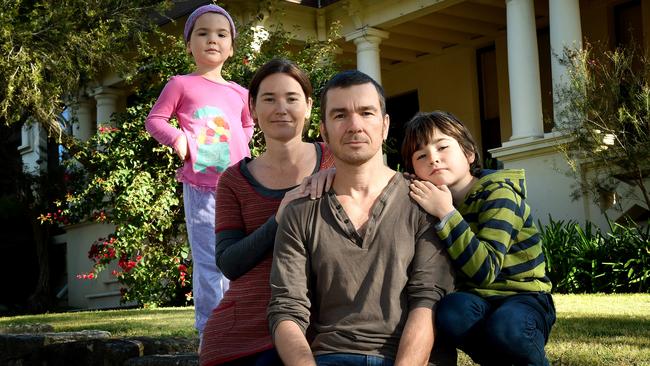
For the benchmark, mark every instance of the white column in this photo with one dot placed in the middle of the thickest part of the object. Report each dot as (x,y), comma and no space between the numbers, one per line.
(33,147)
(565,32)
(523,71)
(367,41)
(83,126)
(106,104)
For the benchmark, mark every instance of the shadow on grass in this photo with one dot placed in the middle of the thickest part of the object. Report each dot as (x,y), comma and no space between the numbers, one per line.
(630,330)
(599,340)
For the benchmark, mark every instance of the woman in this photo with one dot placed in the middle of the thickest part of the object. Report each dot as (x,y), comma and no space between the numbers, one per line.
(251,198)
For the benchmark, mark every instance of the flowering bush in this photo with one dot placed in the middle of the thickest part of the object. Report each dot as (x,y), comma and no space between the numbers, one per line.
(129,179)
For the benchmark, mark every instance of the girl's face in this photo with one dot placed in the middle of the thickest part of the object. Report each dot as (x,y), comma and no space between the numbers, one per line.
(281,108)
(443,162)
(210,41)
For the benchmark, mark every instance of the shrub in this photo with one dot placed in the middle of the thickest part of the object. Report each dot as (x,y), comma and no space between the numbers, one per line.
(588,260)
(605,110)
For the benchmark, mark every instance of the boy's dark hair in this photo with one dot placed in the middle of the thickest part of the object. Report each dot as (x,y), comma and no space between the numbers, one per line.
(346,79)
(418,132)
(277,66)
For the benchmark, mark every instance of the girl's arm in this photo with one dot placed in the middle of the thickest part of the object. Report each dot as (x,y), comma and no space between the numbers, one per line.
(157,122)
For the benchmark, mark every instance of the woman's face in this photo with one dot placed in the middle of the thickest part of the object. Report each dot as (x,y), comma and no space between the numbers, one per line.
(281,107)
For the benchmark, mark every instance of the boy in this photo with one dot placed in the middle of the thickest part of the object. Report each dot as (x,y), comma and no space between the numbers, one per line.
(503,311)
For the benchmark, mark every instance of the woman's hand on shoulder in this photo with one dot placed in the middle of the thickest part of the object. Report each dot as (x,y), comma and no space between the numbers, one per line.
(293,194)
(312,186)
(318,183)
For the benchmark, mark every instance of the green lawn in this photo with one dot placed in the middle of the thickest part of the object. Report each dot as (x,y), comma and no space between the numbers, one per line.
(591,329)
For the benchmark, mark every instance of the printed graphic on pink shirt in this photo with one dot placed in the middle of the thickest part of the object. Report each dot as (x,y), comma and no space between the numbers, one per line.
(213,150)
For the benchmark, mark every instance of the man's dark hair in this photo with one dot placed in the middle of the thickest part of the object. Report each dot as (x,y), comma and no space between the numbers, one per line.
(347,79)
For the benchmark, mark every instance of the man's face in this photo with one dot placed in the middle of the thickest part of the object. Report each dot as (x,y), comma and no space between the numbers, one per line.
(354,127)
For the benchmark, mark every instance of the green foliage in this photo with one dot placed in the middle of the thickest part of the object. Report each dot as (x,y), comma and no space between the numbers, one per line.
(51,49)
(607,115)
(129,179)
(588,260)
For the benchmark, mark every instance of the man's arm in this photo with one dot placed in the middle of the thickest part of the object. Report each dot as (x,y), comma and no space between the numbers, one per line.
(292,345)
(289,308)
(417,338)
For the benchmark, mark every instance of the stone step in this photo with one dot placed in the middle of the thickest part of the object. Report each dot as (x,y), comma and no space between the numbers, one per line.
(179,359)
(169,345)
(95,352)
(30,346)
(95,348)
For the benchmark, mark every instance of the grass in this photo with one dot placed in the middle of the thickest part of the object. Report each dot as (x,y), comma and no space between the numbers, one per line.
(590,330)
(161,322)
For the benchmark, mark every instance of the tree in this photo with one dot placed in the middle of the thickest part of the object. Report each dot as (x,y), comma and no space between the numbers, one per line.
(54,49)
(50,51)
(607,117)
(129,178)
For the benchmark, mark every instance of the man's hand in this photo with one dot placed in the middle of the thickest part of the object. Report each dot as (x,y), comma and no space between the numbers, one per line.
(180,147)
(437,201)
(292,345)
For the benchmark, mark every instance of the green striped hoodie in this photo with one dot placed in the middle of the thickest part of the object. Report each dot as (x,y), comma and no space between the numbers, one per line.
(492,239)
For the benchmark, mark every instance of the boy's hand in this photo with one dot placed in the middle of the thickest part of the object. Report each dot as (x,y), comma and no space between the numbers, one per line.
(318,183)
(180,147)
(437,201)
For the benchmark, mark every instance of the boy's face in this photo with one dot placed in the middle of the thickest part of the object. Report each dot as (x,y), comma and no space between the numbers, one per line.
(443,162)
(211,40)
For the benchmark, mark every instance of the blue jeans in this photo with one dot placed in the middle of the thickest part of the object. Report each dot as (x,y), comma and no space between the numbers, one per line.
(351,359)
(269,357)
(208,283)
(510,330)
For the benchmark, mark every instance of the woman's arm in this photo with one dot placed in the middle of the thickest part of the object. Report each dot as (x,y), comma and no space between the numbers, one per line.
(236,252)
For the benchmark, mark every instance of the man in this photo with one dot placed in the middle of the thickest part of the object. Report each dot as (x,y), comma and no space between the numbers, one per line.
(361,265)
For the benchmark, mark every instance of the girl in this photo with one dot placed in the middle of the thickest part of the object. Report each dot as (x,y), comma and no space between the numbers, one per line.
(503,311)
(215,128)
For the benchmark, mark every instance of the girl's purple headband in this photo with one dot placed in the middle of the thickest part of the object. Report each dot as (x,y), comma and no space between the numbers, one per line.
(189,24)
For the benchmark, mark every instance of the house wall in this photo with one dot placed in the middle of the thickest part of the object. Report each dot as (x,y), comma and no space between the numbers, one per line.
(445,82)
(102,292)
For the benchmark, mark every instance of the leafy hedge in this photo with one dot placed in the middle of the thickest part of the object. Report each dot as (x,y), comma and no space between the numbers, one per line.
(589,260)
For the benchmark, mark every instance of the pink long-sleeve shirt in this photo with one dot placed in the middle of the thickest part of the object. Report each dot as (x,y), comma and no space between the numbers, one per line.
(215,119)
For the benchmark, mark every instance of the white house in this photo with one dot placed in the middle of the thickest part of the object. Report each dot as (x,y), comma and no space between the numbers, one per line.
(490,62)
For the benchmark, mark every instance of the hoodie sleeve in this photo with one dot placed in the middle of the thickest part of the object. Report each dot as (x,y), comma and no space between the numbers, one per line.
(478,241)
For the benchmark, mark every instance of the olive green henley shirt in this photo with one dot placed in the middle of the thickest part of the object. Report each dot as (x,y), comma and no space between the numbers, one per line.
(356,290)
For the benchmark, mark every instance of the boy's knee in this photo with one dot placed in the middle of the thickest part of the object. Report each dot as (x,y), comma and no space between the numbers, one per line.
(516,334)
(458,313)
